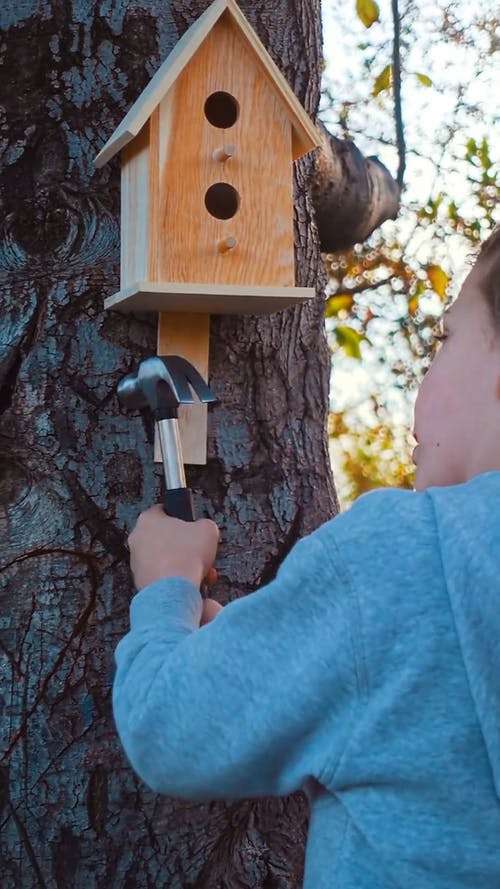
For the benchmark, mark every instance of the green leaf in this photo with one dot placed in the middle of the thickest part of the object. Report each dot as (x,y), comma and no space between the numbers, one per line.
(349,340)
(368,12)
(383,81)
(424,80)
(470,149)
(484,155)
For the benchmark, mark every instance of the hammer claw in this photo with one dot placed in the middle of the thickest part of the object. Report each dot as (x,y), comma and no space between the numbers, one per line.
(183,370)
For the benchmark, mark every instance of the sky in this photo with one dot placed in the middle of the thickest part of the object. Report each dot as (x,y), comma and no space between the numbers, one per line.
(428,112)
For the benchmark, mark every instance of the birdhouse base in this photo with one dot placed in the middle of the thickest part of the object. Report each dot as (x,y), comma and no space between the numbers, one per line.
(210,299)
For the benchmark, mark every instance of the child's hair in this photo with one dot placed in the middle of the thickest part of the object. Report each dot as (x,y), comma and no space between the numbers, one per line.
(490,282)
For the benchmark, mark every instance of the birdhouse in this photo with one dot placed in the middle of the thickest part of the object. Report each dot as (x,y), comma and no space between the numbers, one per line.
(207,189)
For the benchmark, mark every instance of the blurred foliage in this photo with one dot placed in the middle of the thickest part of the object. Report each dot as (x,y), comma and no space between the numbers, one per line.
(386,295)
(368,457)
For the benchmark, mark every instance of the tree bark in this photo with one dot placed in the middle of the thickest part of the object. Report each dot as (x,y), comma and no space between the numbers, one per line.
(76,470)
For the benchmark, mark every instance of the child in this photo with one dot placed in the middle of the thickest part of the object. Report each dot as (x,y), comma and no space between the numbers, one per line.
(367,672)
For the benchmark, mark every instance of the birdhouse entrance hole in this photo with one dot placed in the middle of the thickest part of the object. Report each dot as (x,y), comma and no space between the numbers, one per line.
(222,200)
(222,110)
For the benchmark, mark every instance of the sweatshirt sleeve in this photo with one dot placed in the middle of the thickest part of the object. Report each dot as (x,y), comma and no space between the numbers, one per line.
(256,702)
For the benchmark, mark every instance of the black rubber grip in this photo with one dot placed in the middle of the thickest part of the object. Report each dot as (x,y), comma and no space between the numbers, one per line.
(179,504)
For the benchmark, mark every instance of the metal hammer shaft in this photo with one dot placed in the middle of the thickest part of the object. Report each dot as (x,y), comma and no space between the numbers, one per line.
(177,497)
(162,384)
(171,453)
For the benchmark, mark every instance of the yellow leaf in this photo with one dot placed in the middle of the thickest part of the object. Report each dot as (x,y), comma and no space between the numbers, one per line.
(438,279)
(413,304)
(383,81)
(368,12)
(340,302)
(349,339)
(424,80)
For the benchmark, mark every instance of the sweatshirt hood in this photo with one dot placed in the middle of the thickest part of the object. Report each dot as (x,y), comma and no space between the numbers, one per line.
(468,528)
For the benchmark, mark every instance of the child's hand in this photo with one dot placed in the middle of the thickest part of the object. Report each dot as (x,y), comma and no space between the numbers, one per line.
(161,546)
(211,609)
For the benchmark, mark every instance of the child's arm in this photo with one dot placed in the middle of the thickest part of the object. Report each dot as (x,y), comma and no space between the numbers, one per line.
(256,702)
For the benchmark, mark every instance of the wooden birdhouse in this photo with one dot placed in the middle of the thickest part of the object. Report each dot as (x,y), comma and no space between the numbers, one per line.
(207,190)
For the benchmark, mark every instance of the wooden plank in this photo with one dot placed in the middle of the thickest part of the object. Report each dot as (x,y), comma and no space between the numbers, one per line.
(305,137)
(216,299)
(188,235)
(153,193)
(188,335)
(134,209)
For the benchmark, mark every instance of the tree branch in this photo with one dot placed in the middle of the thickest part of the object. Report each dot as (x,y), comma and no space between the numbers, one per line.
(396,79)
(361,288)
(352,194)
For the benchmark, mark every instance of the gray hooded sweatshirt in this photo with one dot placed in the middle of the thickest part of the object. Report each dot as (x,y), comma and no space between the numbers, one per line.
(366,673)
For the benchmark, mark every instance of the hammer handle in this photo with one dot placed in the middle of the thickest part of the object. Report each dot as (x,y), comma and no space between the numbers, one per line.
(178,502)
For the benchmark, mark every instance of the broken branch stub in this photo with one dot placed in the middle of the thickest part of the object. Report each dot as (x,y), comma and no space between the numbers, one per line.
(352,194)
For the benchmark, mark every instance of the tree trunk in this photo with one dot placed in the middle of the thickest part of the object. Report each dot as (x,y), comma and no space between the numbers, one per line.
(76,470)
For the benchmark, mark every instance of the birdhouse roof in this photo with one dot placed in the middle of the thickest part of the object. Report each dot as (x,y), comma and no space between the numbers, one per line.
(304,135)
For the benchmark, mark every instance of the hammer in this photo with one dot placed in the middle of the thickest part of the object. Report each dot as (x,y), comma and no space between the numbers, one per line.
(162,384)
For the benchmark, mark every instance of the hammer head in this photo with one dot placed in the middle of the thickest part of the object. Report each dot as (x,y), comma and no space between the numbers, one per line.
(164,382)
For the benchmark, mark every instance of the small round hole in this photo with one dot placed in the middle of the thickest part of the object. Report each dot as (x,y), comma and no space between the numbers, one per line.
(222,200)
(222,110)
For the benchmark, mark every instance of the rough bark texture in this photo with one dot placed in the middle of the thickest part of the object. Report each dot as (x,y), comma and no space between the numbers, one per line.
(352,194)
(76,470)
